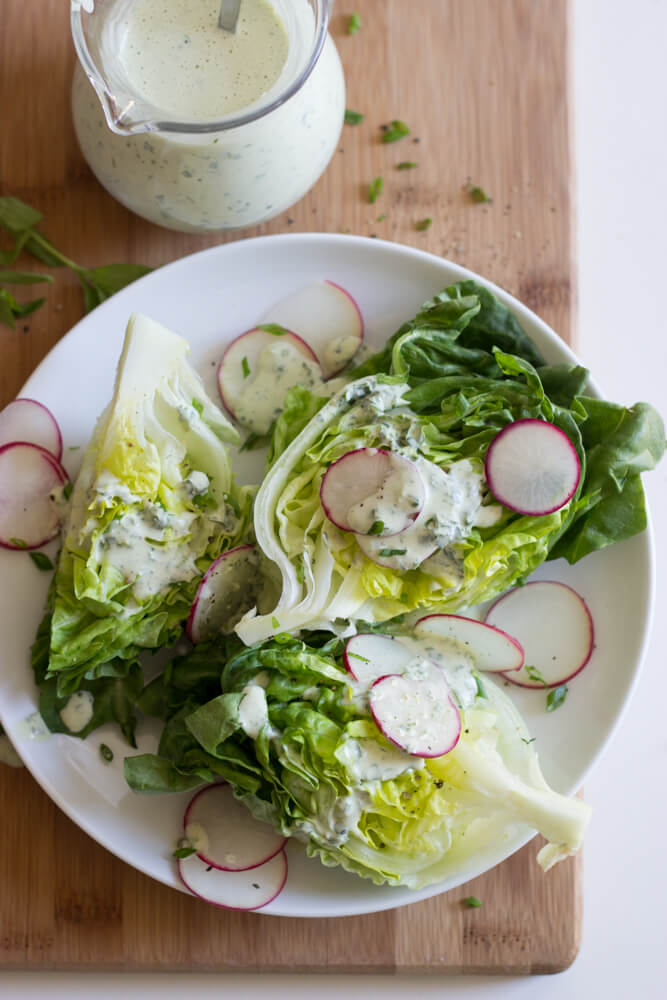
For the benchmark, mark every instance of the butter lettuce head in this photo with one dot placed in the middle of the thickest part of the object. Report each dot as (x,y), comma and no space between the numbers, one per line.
(297,768)
(153,505)
(441,390)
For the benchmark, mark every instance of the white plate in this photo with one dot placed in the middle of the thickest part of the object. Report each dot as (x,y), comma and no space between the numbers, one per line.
(209,298)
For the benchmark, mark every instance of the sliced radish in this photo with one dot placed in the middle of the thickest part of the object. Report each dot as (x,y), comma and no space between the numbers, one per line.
(491,649)
(226,834)
(246,890)
(227,590)
(372,492)
(371,655)
(328,319)
(554,626)
(26,420)
(29,515)
(416,712)
(532,467)
(240,363)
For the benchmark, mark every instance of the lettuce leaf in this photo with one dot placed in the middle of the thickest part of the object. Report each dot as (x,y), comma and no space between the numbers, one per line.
(299,769)
(154,504)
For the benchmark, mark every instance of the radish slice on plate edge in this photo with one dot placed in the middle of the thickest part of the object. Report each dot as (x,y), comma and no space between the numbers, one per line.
(27,421)
(555,627)
(28,476)
(244,890)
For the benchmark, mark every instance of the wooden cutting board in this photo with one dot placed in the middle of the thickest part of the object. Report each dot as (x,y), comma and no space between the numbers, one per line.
(483,85)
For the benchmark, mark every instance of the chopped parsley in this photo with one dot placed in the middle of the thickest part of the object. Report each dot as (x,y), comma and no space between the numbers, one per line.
(535,675)
(382,217)
(406,165)
(386,553)
(423,224)
(472,902)
(41,560)
(106,753)
(274,622)
(374,190)
(376,528)
(353,117)
(67,490)
(245,367)
(478,194)
(556,697)
(185,852)
(354,23)
(275,328)
(394,131)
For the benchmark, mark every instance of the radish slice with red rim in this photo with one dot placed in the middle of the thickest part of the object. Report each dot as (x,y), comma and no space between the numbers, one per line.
(240,364)
(415,711)
(29,478)
(372,491)
(27,421)
(228,589)
(492,649)
(225,834)
(328,319)
(532,467)
(370,655)
(555,627)
(244,890)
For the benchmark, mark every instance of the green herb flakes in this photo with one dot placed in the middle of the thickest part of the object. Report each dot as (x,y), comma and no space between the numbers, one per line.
(18,543)
(106,753)
(41,560)
(353,117)
(472,902)
(198,406)
(387,553)
(556,697)
(376,528)
(356,656)
(275,328)
(375,190)
(245,367)
(354,24)
(184,852)
(478,195)
(406,165)
(481,690)
(423,225)
(535,675)
(67,490)
(394,131)
(274,622)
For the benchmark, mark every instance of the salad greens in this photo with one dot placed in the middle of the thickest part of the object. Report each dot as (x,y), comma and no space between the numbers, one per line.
(153,506)
(445,384)
(302,769)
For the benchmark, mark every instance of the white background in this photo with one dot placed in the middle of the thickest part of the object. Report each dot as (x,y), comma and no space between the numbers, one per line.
(621,155)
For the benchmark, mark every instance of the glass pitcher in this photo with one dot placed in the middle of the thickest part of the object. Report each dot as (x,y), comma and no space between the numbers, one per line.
(188,165)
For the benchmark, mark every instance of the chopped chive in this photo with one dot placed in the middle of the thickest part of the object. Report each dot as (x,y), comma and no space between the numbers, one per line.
(245,367)
(374,190)
(67,490)
(364,659)
(198,406)
(423,224)
(478,194)
(394,131)
(473,902)
(535,675)
(353,117)
(354,23)
(481,691)
(556,697)
(106,752)
(406,165)
(376,528)
(41,560)
(184,852)
(386,553)
(74,447)
(19,543)
(275,328)
(528,742)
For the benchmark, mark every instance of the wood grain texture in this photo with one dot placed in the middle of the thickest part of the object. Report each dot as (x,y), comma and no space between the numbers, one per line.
(483,85)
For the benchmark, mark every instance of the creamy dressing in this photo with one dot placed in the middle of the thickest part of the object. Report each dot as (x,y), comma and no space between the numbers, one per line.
(452,502)
(176,57)
(340,351)
(393,503)
(280,366)
(367,760)
(33,727)
(78,711)
(253,710)
(225,179)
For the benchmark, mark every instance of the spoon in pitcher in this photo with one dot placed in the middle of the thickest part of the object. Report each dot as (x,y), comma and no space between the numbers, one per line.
(229,14)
